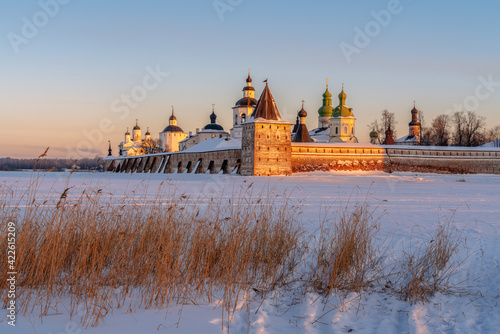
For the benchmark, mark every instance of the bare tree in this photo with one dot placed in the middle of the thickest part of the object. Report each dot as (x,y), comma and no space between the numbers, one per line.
(152,146)
(440,130)
(458,119)
(425,132)
(493,136)
(382,125)
(469,128)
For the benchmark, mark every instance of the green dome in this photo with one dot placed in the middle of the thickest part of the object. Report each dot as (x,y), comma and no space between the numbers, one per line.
(326,110)
(342,110)
(374,134)
(327,94)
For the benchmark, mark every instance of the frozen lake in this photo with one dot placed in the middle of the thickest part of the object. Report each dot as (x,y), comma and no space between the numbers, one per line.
(409,206)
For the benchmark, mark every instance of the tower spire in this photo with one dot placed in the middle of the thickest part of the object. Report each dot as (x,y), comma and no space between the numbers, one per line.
(110,152)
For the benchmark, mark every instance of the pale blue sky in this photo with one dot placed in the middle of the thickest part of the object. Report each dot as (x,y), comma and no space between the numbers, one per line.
(64,79)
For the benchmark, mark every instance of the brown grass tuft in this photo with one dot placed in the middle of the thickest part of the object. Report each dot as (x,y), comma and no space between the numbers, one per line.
(345,253)
(426,269)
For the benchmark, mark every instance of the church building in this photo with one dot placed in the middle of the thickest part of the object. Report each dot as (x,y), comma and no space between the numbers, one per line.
(413,137)
(335,125)
(342,122)
(134,145)
(171,135)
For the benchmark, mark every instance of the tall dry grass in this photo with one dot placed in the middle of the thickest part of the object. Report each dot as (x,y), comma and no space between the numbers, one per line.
(167,250)
(426,268)
(346,257)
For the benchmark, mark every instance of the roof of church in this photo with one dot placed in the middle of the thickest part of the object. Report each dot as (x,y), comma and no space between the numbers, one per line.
(342,110)
(296,126)
(302,135)
(266,107)
(326,110)
(302,112)
(172,128)
(213,125)
(246,101)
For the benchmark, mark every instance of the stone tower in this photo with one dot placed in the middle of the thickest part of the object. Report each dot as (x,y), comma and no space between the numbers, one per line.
(266,140)
(414,125)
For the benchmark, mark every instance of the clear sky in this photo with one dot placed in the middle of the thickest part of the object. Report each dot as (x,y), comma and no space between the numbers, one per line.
(64,73)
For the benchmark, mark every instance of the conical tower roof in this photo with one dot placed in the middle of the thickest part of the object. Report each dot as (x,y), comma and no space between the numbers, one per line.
(266,107)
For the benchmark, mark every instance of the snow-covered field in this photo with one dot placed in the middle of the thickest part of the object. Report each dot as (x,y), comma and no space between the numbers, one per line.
(409,205)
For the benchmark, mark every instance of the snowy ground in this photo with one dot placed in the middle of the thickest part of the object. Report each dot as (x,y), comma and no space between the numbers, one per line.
(410,205)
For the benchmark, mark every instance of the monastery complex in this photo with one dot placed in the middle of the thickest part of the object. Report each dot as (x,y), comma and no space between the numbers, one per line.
(260,142)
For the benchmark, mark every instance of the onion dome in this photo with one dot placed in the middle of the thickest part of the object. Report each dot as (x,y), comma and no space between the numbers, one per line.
(213,125)
(147,132)
(374,134)
(342,110)
(136,127)
(248,87)
(327,94)
(414,116)
(172,118)
(342,96)
(172,128)
(326,110)
(246,101)
(302,112)
(127,133)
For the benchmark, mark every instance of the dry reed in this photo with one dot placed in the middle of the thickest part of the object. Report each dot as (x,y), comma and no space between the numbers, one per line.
(346,254)
(426,269)
(167,250)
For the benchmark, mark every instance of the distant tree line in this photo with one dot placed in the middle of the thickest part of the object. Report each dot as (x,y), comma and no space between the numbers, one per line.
(12,164)
(463,128)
